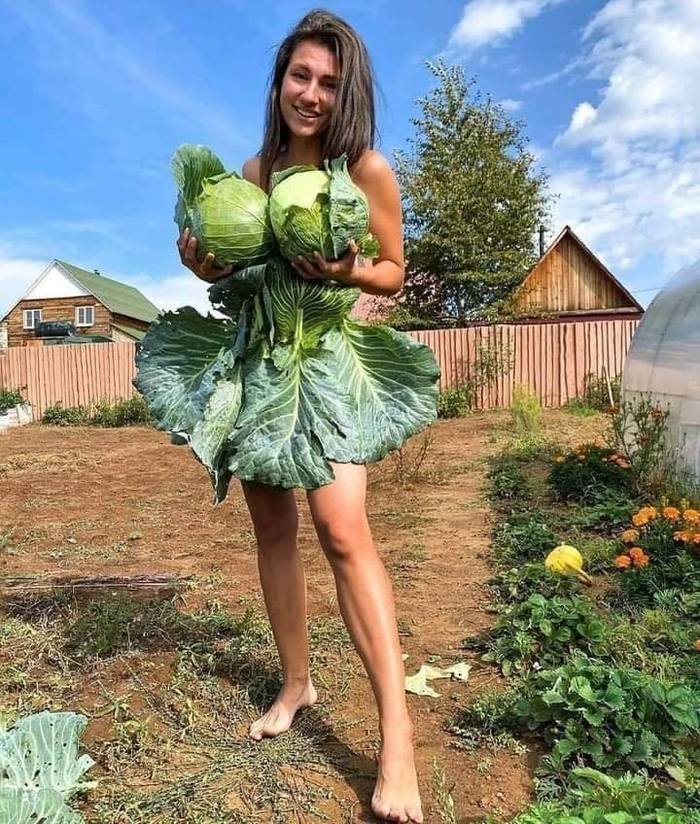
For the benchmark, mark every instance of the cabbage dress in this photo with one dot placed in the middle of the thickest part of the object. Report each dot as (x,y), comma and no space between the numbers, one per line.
(286,383)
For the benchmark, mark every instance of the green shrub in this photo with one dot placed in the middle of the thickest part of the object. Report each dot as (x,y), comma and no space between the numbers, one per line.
(9,398)
(596,394)
(456,401)
(639,429)
(123,412)
(59,415)
(508,485)
(607,513)
(522,537)
(596,798)
(611,717)
(526,411)
(543,632)
(589,473)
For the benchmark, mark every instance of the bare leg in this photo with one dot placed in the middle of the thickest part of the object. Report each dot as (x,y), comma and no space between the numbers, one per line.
(366,602)
(283,583)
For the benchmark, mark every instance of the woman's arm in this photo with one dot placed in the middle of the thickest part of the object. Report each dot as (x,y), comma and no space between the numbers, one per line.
(376,178)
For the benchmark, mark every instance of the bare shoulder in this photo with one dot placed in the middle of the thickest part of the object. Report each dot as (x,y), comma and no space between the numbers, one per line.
(251,170)
(371,166)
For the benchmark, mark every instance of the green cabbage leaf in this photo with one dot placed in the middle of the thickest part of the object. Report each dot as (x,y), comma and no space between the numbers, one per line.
(40,768)
(292,384)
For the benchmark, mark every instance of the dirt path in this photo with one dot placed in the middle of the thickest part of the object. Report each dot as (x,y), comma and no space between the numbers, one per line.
(126,502)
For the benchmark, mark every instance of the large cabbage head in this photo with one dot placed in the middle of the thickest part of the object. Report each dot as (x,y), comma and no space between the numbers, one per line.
(227,214)
(315,210)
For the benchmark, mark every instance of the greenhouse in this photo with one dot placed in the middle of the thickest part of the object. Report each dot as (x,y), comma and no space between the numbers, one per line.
(664,361)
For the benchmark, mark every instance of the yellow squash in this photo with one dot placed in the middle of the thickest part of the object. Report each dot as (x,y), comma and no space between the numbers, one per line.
(567,560)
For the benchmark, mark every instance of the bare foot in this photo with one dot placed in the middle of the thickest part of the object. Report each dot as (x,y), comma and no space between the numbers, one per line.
(279,717)
(396,796)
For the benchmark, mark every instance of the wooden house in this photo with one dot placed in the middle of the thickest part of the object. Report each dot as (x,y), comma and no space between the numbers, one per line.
(569,282)
(99,307)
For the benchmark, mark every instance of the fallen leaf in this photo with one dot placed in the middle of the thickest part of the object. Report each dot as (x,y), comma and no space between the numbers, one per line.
(418,685)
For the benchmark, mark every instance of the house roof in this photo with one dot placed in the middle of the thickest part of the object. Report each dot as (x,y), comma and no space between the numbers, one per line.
(132,331)
(568,231)
(118,297)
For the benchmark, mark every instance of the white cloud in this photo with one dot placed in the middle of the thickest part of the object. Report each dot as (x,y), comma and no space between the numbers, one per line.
(628,170)
(16,275)
(488,21)
(645,52)
(173,291)
(511,105)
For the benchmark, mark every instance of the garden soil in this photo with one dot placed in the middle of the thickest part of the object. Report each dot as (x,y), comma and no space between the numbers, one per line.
(85,501)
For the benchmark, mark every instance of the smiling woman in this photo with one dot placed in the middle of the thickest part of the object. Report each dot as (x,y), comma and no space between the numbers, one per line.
(296,393)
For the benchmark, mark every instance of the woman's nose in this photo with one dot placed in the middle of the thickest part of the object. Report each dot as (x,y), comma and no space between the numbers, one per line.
(310,93)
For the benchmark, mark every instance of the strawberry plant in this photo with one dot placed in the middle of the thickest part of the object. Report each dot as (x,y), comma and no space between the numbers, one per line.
(543,632)
(517,584)
(611,717)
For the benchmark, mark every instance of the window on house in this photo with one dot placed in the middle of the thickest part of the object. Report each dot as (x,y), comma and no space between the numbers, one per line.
(84,316)
(30,318)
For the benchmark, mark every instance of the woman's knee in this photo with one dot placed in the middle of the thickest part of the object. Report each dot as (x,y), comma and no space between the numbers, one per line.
(344,539)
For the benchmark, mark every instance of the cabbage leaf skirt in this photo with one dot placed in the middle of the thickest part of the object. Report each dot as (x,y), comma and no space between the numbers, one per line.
(284,384)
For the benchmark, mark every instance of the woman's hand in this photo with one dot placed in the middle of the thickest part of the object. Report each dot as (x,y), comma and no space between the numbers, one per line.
(350,269)
(205,269)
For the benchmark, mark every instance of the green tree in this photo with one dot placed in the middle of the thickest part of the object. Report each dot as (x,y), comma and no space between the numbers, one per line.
(473,202)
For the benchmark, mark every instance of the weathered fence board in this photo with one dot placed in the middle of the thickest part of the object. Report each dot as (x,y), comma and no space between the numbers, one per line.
(552,359)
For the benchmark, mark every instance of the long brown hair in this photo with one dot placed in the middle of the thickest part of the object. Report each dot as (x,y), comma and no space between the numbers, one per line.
(352,127)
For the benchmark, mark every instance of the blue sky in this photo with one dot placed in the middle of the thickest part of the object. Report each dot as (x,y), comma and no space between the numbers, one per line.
(96,96)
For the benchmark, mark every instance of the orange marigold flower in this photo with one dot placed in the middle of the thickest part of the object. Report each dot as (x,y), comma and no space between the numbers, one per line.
(682,535)
(640,518)
(691,516)
(697,645)
(629,536)
(638,556)
(623,561)
(696,538)
(651,511)
(671,513)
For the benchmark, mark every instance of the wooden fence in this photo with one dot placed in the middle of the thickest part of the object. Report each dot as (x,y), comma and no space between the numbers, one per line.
(552,359)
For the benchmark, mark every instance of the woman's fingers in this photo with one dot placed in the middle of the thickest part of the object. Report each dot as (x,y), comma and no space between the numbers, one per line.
(306,269)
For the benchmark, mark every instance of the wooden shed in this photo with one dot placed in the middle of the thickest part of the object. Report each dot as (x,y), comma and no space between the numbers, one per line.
(569,282)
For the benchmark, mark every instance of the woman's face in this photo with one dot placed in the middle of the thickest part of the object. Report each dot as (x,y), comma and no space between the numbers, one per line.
(307,96)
